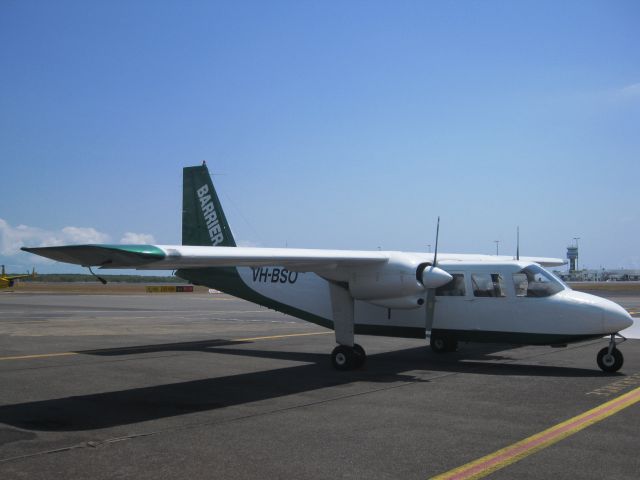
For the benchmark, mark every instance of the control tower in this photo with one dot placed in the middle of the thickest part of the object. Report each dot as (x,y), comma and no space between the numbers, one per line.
(572,256)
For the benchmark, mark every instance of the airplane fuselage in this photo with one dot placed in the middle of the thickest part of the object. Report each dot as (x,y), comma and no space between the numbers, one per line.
(488,302)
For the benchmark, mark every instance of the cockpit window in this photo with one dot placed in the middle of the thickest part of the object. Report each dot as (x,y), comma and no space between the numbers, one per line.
(455,288)
(487,285)
(521,284)
(535,281)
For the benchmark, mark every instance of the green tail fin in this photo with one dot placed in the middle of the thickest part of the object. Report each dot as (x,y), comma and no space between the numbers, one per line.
(203,220)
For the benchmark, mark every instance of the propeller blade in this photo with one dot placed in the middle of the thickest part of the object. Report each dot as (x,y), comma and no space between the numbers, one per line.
(430,309)
(435,253)
(432,278)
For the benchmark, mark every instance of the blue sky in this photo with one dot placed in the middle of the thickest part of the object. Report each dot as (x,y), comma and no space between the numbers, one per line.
(332,124)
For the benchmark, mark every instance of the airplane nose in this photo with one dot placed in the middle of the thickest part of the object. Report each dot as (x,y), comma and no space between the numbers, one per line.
(615,317)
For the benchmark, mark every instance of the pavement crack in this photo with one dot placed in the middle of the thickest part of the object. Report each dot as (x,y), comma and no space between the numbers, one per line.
(45,452)
(78,446)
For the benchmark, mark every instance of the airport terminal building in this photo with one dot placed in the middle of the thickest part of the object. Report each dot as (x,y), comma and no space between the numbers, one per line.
(602,275)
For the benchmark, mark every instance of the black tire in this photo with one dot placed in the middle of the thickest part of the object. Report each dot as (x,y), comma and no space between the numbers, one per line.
(610,363)
(438,343)
(342,358)
(359,356)
(443,343)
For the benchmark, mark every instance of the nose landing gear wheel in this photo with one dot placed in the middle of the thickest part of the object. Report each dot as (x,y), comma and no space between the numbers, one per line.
(610,362)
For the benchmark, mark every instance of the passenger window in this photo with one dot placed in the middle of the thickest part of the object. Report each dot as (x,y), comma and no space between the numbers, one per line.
(455,288)
(487,285)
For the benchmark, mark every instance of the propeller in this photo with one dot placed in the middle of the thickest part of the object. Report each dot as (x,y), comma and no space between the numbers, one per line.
(432,278)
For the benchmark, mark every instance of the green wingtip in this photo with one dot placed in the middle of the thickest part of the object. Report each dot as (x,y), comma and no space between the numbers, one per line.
(150,251)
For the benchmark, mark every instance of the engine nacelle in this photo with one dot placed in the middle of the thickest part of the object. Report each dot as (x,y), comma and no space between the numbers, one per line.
(401,283)
(403,303)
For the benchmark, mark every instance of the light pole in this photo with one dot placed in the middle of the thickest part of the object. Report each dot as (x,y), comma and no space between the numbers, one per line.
(497,242)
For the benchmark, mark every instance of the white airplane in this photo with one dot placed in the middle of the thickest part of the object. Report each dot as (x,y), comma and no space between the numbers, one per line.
(446,298)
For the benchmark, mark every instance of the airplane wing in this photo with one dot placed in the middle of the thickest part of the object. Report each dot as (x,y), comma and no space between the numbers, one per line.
(172,257)
(17,277)
(545,261)
(466,257)
(108,256)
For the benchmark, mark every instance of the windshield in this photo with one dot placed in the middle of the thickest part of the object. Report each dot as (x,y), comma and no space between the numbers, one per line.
(535,281)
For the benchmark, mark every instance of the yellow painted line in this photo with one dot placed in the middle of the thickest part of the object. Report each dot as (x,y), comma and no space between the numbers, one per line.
(522,449)
(42,355)
(280,336)
(107,350)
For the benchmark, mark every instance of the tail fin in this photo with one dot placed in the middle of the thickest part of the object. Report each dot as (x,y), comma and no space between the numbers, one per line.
(203,220)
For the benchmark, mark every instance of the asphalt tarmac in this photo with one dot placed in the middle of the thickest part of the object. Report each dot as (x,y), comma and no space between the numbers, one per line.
(203,386)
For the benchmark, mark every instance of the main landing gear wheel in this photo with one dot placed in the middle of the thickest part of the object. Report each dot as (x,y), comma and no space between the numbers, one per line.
(347,358)
(443,344)
(359,355)
(610,362)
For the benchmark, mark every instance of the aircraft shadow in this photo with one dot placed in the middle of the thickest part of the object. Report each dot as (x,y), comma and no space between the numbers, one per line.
(199,345)
(479,359)
(124,407)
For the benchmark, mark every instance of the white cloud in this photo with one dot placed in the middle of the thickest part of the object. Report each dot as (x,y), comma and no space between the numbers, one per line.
(137,238)
(630,91)
(612,96)
(12,238)
(83,235)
